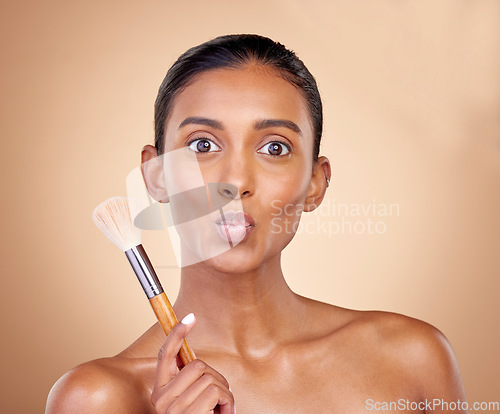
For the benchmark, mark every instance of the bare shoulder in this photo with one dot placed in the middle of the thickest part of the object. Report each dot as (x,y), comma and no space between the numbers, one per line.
(398,348)
(410,346)
(390,332)
(405,338)
(101,386)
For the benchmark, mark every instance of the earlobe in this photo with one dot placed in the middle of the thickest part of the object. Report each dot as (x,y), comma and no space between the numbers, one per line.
(153,173)
(320,180)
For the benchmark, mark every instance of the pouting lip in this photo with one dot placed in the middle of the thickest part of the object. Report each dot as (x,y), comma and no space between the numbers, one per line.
(234,227)
(235,218)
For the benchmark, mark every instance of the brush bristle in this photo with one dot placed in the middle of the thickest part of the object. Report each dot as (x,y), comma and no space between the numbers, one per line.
(114,219)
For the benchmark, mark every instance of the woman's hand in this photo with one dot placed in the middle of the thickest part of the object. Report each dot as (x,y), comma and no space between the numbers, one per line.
(196,388)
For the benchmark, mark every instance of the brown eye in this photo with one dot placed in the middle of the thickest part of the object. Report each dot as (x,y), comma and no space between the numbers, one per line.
(276,149)
(203,145)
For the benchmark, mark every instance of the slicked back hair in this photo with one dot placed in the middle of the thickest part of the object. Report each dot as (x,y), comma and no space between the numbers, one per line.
(235,51)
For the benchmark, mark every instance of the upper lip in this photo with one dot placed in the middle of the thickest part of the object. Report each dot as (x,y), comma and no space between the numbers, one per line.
(235,218)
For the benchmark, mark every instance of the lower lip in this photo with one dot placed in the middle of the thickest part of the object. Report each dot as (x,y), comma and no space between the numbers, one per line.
(234,233)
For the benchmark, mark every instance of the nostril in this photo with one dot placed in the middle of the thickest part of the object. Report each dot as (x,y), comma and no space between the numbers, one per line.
(228,190)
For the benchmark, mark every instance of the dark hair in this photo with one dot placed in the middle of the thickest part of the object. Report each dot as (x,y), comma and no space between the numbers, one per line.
(233,51)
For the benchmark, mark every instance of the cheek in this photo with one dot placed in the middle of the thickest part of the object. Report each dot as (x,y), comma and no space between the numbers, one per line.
(285,219)
(287,203)
(288,187)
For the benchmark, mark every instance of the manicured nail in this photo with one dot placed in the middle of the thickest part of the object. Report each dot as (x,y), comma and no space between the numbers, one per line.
(188,319)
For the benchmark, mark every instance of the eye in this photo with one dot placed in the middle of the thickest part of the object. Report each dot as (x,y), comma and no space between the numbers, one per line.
(275,149)
(203,145)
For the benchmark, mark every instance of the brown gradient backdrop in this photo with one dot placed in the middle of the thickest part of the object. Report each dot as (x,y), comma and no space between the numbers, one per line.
(412,105)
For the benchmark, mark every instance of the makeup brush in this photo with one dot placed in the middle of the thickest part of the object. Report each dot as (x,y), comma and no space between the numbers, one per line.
(114,219)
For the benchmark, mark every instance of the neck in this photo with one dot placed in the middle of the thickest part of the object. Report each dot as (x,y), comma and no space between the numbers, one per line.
(247,314)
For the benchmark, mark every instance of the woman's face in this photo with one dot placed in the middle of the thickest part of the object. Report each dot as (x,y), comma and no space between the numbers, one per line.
(250,131)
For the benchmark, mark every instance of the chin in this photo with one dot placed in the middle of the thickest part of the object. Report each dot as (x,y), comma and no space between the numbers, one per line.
(234,261)
(247,256)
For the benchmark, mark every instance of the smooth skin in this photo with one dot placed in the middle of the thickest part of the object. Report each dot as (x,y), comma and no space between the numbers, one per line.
(260,347)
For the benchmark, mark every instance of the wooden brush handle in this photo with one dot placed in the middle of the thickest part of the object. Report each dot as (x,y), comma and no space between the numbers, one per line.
(166,316)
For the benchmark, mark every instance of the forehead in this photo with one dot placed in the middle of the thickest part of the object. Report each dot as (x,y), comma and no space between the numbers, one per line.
(241,95)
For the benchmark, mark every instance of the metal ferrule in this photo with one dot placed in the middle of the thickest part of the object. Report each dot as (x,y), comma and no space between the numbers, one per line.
(144,270)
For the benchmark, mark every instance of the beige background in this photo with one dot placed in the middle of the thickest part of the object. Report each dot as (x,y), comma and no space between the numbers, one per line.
(411,93)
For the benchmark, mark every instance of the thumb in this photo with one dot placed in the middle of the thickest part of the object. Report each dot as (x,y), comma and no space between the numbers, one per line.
(167,356)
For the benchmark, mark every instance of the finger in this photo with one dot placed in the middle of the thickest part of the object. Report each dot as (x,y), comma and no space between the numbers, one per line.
(197,369)
(189,387)
(204,395)
(167,357)
(211,397)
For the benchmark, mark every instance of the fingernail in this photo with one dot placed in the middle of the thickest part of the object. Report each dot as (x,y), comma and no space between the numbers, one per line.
(188,319)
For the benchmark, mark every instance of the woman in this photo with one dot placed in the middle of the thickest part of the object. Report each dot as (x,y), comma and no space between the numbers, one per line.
(251,113)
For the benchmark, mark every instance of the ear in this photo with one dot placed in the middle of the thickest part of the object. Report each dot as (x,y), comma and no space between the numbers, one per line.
(153,173)
(320,180)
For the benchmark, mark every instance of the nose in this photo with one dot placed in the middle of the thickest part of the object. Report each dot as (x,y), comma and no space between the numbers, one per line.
(236,178)
(228,190)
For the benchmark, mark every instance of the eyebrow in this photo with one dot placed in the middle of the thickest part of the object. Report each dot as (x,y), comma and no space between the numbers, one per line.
(197,120)
(268,123)
(262,124)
